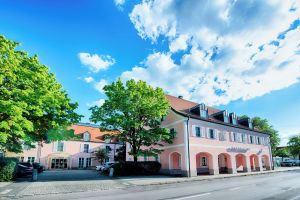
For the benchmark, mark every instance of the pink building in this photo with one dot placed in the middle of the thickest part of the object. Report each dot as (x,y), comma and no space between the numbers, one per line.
(211,141)
(72,154)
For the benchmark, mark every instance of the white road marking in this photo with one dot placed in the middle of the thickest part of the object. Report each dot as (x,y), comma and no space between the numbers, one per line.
(6,191)
(296,197)
(193,196)
(235,188)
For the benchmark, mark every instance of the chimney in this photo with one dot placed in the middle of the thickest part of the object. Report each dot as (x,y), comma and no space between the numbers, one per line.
(180,97)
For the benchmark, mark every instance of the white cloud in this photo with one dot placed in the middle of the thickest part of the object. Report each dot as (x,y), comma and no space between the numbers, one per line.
(99,85)
(96,62)
(89,79)
(228,50)
(119,2)
(98,103)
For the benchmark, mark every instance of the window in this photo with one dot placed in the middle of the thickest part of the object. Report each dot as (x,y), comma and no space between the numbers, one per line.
(258,140)
(86,137)
(203,161)
(107,149)
(226,119)
(244,138)
(198,132)
(223,136)
(234,122)
(106,159)
(203,113)
(22,159)
(60,146)
(86,148)
(173,132)
(156,158)
(31,159)
(88,162)
(250,124)
(212,134)
(80,162)
(251,139)
(145,158)
(26,147)
(234,137)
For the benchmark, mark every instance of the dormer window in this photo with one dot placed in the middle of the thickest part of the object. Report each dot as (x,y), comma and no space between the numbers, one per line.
(233,118)
(250,124)
(203,111)
(226,116)
(86,137)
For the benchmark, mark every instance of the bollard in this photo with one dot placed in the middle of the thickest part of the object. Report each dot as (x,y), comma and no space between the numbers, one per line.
(34,175)
(111,172)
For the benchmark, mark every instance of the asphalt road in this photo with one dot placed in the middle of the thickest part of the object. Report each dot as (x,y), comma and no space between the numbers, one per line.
(284,185)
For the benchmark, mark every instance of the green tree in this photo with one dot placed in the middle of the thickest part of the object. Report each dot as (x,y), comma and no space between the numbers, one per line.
(101,155)
(121,153)
(32,102)
(282,152)
(294,145)
(135,109)
(264,126)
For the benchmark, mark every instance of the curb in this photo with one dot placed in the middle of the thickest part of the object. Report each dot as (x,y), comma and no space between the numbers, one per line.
(210,178)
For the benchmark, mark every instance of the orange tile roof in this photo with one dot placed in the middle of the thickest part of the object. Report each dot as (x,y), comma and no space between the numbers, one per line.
(183,106)
(95,133)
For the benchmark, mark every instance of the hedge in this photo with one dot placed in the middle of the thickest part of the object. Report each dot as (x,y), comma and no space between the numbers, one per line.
(140,168)
(8,169)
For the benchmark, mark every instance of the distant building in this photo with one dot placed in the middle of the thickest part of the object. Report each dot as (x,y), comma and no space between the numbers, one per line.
(73,153)
(210,141)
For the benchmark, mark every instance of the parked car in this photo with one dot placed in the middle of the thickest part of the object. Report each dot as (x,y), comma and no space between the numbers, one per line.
(287,163)
(24,169)
(104,167)
(38,166)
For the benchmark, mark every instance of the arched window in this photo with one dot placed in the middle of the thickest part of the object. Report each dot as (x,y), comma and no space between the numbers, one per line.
(86,137)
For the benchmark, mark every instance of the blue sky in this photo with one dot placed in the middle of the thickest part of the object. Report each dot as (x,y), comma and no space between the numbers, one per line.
(239,56)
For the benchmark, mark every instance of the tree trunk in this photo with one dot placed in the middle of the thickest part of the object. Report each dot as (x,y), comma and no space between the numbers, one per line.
(135,159)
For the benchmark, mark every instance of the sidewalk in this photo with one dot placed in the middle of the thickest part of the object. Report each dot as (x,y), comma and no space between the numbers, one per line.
(159,180)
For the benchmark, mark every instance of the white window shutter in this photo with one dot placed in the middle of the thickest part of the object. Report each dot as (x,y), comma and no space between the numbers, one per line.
(64,147)
(54,146)
(202,132)
(207,132)
(216,133)
(193,130)
(232,138)
(81,147)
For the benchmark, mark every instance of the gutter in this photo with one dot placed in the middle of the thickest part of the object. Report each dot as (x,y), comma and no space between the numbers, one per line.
(188,144)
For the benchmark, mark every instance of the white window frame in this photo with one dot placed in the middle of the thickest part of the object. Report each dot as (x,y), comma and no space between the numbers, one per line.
(58,146)
(200,132)
(203,161)
(86,137)
(84,149)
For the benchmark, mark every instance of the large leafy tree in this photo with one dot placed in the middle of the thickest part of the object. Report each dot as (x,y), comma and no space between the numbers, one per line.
(294,145)
(135,109)
(32,102)
(264,126)
(282,152)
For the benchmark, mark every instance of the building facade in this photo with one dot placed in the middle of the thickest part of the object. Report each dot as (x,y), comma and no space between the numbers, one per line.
(211,141)
(72,154)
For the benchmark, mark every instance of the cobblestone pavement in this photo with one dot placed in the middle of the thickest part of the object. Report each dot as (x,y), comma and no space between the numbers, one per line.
(56,182)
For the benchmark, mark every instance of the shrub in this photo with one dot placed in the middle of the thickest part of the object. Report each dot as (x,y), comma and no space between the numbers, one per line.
(140,168)
(8,168)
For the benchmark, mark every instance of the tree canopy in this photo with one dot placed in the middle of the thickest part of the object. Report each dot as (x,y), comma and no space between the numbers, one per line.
(282,152)
(264,126)
(101,155)
(294,145)
(135,109)
(32,102)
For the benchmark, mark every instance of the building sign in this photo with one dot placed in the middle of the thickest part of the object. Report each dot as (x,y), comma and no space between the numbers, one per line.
(237,149)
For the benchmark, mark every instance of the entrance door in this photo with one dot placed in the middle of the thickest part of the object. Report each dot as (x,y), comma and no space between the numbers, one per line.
(59,163)
(80,162)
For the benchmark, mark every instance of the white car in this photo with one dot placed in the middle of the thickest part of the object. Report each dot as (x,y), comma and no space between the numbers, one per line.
(102,167)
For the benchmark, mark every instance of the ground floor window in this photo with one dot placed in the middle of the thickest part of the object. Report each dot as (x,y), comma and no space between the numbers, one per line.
(203,161)
(88,162)
(106,159)
(31,159)
(22,159)
(80,162)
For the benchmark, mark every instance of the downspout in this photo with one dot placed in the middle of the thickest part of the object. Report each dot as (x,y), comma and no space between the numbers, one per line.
(188,144)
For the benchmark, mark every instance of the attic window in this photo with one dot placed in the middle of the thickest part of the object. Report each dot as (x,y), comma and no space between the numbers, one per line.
(233,118)
(203,110)
(86,137)
(226,116)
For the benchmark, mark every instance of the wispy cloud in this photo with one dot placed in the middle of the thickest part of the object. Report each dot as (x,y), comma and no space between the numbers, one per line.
(99,85)
(89,79)
(98,103)
(96,62)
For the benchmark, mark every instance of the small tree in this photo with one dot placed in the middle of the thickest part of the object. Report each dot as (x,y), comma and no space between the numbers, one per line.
(294,145)
(121,153)
(282,152)
(101,155)
(135,110)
